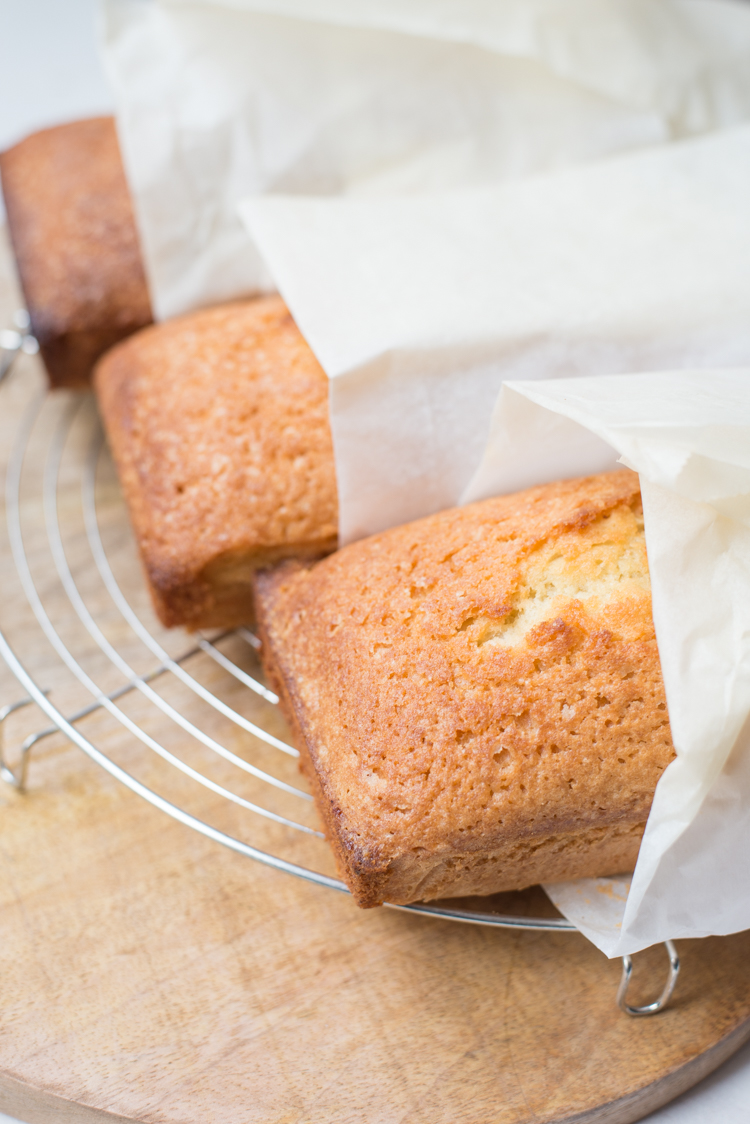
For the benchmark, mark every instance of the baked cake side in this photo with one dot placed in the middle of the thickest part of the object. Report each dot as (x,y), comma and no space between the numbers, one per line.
(74,236)
(478,696)
(218,423)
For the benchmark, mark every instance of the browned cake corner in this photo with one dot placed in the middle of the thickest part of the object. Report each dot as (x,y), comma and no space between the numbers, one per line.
(74,236)
(218,423)
(478,695)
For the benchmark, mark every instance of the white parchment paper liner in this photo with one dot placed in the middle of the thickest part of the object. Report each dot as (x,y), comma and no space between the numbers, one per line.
(688,436)
(221,100)
(419,308)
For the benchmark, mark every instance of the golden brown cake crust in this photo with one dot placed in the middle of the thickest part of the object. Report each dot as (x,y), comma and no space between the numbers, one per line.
(478,695)
(218,422)
(74,236)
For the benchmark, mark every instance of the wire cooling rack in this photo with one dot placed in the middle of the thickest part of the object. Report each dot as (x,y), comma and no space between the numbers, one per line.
(192,710)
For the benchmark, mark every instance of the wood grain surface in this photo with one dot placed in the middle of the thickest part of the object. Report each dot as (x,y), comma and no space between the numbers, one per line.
(151,975)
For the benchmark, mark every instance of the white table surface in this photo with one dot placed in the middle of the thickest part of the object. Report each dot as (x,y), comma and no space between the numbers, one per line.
(51,73)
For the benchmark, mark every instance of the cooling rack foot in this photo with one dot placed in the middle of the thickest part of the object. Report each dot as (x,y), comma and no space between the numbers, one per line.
(658,1004)
(16,777)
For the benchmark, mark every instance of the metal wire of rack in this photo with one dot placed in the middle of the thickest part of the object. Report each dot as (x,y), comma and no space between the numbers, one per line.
(62,507)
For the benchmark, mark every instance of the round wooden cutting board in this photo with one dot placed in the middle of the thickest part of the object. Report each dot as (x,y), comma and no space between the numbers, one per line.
(151,975)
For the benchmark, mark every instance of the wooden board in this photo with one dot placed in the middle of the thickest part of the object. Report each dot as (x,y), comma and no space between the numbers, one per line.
(152,975)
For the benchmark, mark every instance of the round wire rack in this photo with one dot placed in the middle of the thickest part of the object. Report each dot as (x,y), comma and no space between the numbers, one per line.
(168,714)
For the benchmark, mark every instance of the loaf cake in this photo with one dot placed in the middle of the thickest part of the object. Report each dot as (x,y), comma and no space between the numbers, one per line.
(74,237)
(218,423)
(477,696)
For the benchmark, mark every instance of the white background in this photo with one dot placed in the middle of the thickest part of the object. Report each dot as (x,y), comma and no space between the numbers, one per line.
(50,73)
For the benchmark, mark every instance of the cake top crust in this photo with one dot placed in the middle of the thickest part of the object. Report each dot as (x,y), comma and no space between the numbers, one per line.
(218,422)
(487,673)
(74,232)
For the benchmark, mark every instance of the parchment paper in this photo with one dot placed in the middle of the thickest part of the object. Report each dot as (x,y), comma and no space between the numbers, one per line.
(688,436)
(217,101)
(419,308)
